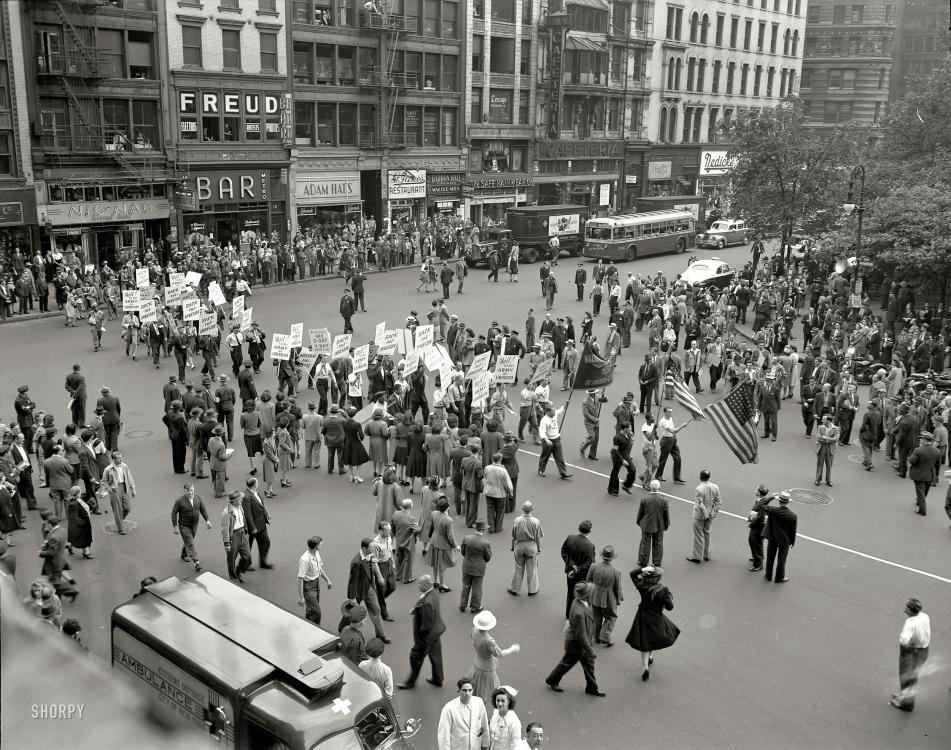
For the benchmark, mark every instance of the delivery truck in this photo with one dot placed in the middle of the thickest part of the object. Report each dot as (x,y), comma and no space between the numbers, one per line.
(247,674)
(533,228)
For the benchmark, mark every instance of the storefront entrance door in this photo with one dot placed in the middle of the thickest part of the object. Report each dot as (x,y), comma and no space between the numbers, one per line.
(106,249)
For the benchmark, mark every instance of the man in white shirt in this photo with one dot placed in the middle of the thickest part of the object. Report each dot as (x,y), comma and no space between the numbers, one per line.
(667,432)
(234,534)
(913,646)
(550,435)
(534,737)
(463,723)
(310,569)
(705,508)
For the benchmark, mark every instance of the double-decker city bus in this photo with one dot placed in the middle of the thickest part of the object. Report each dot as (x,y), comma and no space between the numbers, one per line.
(631,236)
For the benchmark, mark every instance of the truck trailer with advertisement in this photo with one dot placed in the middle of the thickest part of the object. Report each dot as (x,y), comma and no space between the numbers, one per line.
(533,227)
(246,674)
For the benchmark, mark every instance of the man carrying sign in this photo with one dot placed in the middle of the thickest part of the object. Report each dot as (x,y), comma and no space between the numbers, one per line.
(234,341)
(256,339)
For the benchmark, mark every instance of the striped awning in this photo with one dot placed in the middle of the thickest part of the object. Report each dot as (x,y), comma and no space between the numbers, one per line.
(583,43)
(599,4)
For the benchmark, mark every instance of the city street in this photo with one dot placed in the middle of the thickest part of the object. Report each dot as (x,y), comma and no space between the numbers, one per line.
(807,664)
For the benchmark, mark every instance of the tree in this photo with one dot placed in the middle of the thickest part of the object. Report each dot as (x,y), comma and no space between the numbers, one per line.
(786,175)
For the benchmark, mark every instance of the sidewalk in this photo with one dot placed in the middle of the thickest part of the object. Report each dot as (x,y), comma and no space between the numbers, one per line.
(36,315)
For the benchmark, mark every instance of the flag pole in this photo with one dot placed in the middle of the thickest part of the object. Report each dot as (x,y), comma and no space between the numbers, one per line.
(571,390)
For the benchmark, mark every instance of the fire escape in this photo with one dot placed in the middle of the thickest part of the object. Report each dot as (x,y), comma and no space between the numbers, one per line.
(75,64)
(386,79)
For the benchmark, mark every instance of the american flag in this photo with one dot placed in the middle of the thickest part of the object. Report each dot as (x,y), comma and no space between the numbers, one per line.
(733,418)
(683,395)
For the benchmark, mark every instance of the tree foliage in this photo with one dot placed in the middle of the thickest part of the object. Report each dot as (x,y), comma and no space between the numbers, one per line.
(786,175)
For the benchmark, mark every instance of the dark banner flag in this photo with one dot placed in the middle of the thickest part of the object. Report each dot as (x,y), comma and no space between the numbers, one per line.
(593,371)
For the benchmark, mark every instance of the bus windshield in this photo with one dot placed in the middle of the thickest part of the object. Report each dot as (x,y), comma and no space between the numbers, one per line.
(598,233)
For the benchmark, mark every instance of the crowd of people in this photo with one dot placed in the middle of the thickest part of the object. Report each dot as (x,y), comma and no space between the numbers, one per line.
(431,441)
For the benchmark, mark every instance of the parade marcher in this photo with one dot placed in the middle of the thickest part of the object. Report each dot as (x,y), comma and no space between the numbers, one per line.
(527,534)
(234,535)
(186,511)
(769,401)
(653,518)
(651,630)
(913,644)
(463,721)
(780,534)
(310,569)
(428,628)
(591,414)
(579,643)
(667,432)
(705,509)
(550,433)
(605,596)
(756,520)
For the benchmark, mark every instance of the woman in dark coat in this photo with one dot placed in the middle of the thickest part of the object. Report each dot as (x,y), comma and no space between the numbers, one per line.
(354,454)
(651,630)
(415,457)
(78,525)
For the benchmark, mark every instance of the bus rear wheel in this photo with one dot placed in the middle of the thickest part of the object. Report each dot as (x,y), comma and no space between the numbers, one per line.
(681,245)
(630,253)
(529,255)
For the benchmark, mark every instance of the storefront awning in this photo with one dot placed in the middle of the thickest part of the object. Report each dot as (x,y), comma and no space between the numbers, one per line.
(599,4)
(583,43)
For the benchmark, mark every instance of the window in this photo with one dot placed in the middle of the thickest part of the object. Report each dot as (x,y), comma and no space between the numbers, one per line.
(478,53)
(304,122)
(680,67)
(838,14)
(617,62)
(268,6)
(798,7)
(842,79)
(324,69)
(345,75)
(789,7)
(697,120)
(450,65)
(347,124)
(476,114)
(715,84)
(704,28)
(757,77)
(691,67)
(269,50)
(431,74)
(744,78)
(449,127)
(231,48)
(718,35)
(504,10)
(229,4)
(701,72)
(787,37)
(770,77)
(837,112)
(812,14)
(789,85)
(672,125)
(191,46)
(524,107)
(111,45)
(734,31)
(450,20)
(140,54)
(761,36)
(795,43)
(6,154)
(326,124)
(858,13)
(500,105)
(688,113)
(773,38)
(145,119)
(502,55)
(431,18)
(524,59)
(674,21)
(881,78)
(712,125)
(662,131)
(806,78)
(730,75)
(526,13)
(747,33)
(694,27)
(671,67)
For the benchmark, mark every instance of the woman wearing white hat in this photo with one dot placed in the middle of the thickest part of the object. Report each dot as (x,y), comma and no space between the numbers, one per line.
(483,671)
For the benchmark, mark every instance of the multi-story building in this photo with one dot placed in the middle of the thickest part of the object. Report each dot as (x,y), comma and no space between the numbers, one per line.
(714,59)
(18,218)
(378,109)
(921,42)
(94,75)
(230,114)
(847,63)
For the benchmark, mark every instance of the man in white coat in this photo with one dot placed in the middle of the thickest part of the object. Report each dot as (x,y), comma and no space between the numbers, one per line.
(463,723)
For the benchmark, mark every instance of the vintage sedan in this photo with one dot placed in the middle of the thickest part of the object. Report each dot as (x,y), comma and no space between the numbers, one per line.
(709,272)
(722,233)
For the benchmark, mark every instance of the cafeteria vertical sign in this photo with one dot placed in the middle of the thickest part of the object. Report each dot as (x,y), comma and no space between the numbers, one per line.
(557,22)
(406,183)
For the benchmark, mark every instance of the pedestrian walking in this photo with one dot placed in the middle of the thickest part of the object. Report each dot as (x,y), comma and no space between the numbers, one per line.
(527,535)
(578,554)
(78,524)
(362,585)
(651,630)
(428,628)
(605,596)
(913,644)
(186,511)
(117,482)
(756,520)
(405,534)
(177,428)
(484,670)
(476,553)
(705,509)
(257,519)
(653,518)
(383,549)
(310,569)
(463,722)
(923,466)
(870,433)
(234,535)
(498,488)
(780,534)
(579,644)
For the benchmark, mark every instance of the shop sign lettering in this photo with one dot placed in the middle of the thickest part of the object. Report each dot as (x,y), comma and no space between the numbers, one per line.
(95,212)
(581,150)
(230,187)
(215,103)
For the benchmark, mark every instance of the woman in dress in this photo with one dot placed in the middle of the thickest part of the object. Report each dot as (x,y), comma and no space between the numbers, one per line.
(433,447)
(251,427)
(269,461)
(389,496)
(442,548)
(651,630)
(267,413)
(484,670)
(398,433)
(427,505)
(285,451)
(379,433)
(78,524)
(505,728)
(415,456)
(354,454)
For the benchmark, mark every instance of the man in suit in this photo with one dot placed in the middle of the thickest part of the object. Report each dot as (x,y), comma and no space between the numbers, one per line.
(313,423)
(362,585)
(807,396)
(823,403)
(780,533)
(76,388)
(405,533)
(247,391)
(647,376)
(578,553)
(171,391)
(185,513)
(178,435)
(605,595)
(906,437)
(653,516)
(591,414)
(111,417)
(870,433)
(54,558)
(234,534)
(257,519)
(827,438)
(218,459)
(476,552)
(924,463)
(428,628)
(579,643)
(756,520)
(472,474)
(59,476)
(769,398)
(118,481)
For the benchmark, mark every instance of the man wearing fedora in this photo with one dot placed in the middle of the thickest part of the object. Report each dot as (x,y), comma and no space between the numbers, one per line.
(653,518)
(111,417)
(178,435)
(870,433)
(605,596)
(218,459)
(923,466)
(826,440)
(234,534)
(769,398)
(591,414)
(428,628)
(780,533)
(476,552)
(579,643)
(118,482)
(224,399)
(234,340)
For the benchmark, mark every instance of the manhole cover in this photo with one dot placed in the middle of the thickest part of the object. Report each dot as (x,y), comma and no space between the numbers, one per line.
(809,497)
(856,458)
(136,434)
(110,528)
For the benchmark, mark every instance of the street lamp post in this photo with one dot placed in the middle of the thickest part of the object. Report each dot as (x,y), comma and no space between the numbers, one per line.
(851,206)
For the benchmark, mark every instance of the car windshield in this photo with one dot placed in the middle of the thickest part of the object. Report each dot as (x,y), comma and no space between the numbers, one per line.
(699,267)
(719,226)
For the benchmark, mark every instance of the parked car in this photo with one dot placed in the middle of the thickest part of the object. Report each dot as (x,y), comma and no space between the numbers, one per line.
(722,233)
(709,272)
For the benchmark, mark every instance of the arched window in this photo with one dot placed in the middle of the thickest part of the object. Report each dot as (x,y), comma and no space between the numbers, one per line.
(798,7)
(704,28)
(672,125)
(786,38)
(671,69)
(694,27)
(662,133)
(795,44)
(680,69)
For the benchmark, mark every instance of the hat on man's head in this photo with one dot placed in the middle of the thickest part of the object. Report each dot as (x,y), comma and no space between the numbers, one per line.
(23,389)
(784,497)
(218,430)
(582,589)
(173,377)
(481,525)
(592,391)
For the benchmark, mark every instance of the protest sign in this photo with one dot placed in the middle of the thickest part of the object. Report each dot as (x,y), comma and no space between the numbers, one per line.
(141,277)
(280,346)
(208,323)
(319,340)
(341,345)
(193,278)
(237,307)
(506,368)
(424,336)
(361,358)
(215,295)
(480,386)
(191,309)
(176,279)
(147,312)
(173,296)
(543,370)
(411,363)
(479,364)
(246,319)
(380,333)
(131,300)
(390,340)
(306,358)
(297,335)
